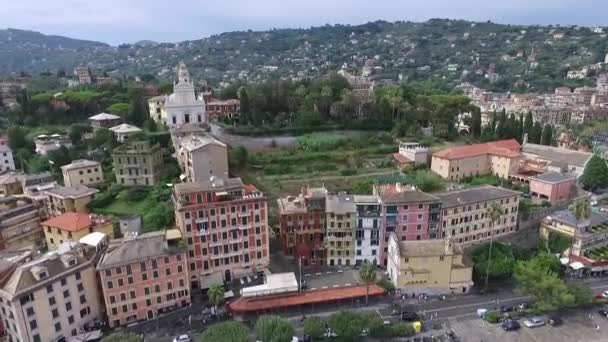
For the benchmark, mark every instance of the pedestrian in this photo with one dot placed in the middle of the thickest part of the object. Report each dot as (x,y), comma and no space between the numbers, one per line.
(597,327)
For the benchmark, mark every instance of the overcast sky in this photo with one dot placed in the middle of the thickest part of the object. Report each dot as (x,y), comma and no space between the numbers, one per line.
(118,21)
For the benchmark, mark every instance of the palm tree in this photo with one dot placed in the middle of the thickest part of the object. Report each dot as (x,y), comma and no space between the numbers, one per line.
(581,210)
(494,213)
(368,274)
(216,294)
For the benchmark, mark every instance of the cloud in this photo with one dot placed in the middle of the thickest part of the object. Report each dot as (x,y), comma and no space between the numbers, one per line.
(117,21)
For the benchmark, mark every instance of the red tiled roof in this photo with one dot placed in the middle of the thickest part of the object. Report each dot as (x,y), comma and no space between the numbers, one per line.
(250,188)
(401,159)
(255,304)
(505,148)
(72,222)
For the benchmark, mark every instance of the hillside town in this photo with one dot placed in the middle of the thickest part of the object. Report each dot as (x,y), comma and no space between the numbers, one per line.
(367,188)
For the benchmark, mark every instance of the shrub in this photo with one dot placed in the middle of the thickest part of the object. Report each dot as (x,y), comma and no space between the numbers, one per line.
(493,317)
(387,285)
(348,172)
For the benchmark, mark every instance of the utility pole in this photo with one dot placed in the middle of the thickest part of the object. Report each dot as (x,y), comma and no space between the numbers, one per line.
(300,283)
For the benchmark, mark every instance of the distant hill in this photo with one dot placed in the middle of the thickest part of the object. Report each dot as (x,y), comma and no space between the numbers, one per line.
(500,57)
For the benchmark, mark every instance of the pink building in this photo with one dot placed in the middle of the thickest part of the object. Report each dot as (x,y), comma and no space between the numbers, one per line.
(144,276)
(553,186)
(225,224)
(411,214)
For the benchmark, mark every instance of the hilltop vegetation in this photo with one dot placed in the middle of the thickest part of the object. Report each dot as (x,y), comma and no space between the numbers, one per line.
(439,51)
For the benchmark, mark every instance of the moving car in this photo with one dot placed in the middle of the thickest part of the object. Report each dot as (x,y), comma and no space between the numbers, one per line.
(410,317)
(182,338)
(534,322)
(554,321)
(506,308)
(510,325)
(522,306)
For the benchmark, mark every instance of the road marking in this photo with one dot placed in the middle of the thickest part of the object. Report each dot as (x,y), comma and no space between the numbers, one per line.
(307,275)
(318,273)
(340,271)
(476,304)
(313,289)
(347,284)
(324,287)
(328,272)
(336,286)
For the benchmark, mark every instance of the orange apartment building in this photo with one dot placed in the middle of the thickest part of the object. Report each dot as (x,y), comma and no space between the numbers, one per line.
(225,225)
(144,276)
(499,158)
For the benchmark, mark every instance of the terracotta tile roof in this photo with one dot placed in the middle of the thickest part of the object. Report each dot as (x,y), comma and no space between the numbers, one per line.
(255,304)
(401,159)
(505,148)
(72,222)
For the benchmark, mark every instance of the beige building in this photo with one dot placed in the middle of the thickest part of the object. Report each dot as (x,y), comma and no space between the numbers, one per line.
(499,158)
(202,157)
(465,213)
(157,109)
(20,225)
(340,218)
(66,199)
(74,226)
(138,163)
(52,297)
(82,172)
(428,266)
(124,132)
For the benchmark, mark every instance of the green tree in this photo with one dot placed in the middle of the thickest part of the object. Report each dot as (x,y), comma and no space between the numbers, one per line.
(272,328)
(139,111)
(16,138)
(495,212)
(501,264)
(595,175)
(547,135)
(151,125)
(103,137)
(476,122)
(535,135)
(76,133)
(347,324)
(582,293)
(120,109)
(581,210)
(368,276)
(216,294)
(240,156)
(245,117)
(528,124)
(548,291)
(230,331)
(122,337)
(314,327)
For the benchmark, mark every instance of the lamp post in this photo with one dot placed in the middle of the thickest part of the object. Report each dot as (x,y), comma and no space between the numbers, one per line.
(300,282)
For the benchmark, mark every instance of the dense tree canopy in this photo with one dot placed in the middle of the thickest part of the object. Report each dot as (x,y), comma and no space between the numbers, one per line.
(230,331)
(595,175)
(273,328)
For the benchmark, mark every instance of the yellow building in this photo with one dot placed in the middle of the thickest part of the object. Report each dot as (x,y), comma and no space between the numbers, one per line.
(340,218)
(74,199)
(74,226)
(82,172)
(500,158)
(428,266)
(465,217)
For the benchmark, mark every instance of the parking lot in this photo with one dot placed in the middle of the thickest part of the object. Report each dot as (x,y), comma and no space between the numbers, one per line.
(577,326)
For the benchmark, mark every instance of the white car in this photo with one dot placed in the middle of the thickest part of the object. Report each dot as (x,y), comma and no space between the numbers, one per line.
(330,334)
(534,322)
(182,338)
(605,294)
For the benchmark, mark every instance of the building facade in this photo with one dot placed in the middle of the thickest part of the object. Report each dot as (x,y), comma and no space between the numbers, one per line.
(138,163)
(7,163)
(184,106)
(465,219)
(553,187)
(82,172)
(74,226)
(105,120)
(20,225)
(64,199)
(589,236)
(423,266)
(302,226)
(368,230)
(225,224)
(52,297)
(500,158)
(202,157)
(223,109)
(123,132)
(156,106)
(411,214)
(143,276)
(340,220)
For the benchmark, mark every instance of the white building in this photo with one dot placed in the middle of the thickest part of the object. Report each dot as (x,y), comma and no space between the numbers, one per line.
(202,157)
(367,233)
(415,152)
(183,106)
(7,163)
(124,131)
(45,144)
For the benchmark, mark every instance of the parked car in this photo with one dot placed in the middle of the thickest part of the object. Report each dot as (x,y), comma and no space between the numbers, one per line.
(410,317)
(182,338)
(506,308)
(605,294)
(523,306)
(510,325)
(482,313)
(534,322)
(330,334)
(603,311)
(554,320)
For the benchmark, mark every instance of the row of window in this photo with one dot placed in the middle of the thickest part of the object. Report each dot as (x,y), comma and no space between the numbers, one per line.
(144,277)
(226,261)
(157,289)
(81,172)
(143,266)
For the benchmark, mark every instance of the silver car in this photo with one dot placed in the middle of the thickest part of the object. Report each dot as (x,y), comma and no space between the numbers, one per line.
(534,322)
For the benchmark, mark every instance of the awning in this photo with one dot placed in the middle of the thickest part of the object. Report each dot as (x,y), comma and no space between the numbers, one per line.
(221,193)
(577,265)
